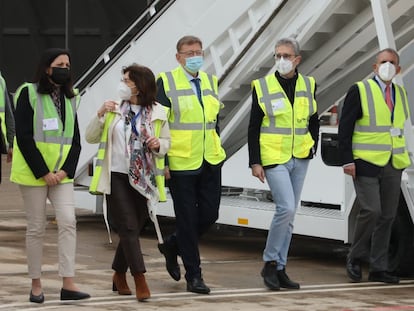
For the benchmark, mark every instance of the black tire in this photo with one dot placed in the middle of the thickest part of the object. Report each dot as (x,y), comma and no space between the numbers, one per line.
(401,251)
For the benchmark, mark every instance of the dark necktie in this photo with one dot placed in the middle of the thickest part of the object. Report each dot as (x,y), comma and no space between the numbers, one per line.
(196,81)
(388,99)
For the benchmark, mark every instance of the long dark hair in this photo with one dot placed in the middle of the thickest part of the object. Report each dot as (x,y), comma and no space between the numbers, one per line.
(144,80)
(45,86)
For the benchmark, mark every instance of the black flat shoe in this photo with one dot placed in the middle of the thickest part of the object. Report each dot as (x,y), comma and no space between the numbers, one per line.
(66,294)
(37,299)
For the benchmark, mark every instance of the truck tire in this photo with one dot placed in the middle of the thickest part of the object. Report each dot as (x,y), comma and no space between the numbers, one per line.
(401,251)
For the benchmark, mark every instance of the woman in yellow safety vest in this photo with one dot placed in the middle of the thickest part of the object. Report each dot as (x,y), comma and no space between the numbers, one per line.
(6,122)
(45,156)
(134,138)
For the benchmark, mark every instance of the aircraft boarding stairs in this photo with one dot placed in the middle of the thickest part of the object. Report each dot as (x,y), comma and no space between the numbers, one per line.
(338,40)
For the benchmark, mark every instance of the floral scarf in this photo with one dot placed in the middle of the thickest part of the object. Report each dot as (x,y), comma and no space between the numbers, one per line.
(141,168)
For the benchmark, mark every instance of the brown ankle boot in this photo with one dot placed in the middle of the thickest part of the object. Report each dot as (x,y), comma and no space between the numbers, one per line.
(142,291)
(119,284)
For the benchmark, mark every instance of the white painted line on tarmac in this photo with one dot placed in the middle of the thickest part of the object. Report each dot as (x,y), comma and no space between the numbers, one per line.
(263,292)
(214,295)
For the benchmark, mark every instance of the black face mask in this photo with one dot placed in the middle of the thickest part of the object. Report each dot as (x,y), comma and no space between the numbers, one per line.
(60,75)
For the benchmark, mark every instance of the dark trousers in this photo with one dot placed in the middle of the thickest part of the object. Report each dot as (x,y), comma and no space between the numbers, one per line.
(378,199)
(128,213)
(196,204)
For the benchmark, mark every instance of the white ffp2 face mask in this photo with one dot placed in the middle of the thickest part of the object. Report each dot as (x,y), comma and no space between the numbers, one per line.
(386,71)
(284,66)
(124,91)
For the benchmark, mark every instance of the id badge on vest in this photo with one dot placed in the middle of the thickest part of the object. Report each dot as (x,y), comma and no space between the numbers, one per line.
(51,124)
(277,105)
(395,132)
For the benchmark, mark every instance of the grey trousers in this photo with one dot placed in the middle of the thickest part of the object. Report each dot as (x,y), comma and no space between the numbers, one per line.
(378,198)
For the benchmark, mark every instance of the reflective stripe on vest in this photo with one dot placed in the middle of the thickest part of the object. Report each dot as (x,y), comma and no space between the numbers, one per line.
(159,166)
(372,140)
(267,99)
(284,131)
(3,99)
(174,95)
(192,125)
(53,144)
(97,171)
(159,162)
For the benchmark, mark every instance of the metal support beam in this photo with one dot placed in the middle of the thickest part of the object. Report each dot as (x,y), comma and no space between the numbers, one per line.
(386,39)
(383,24)
(67,24)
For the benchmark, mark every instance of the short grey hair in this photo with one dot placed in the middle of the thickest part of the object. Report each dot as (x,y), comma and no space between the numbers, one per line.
(389,50)
(289,41)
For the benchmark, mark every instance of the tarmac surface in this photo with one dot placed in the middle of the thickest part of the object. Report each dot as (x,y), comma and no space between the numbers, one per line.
(231,262)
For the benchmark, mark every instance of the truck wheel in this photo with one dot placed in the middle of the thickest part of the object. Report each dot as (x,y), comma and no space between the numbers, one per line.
(401,251)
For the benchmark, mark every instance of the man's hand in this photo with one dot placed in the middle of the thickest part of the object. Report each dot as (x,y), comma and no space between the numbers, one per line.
(349,169)
(167,174)
(9,155)
(258,171)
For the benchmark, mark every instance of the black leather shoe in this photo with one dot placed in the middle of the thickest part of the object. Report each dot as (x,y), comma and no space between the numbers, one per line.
(353,269)
(285,281)
(198,286)
(269,274)
(383,276)
(170,253)
(37,299)
(72,295)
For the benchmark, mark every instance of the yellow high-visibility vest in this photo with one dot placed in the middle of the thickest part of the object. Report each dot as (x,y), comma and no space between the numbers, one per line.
(373,139)
(159,162)
(284,131)
(3,108)
(192,125)
(54,145)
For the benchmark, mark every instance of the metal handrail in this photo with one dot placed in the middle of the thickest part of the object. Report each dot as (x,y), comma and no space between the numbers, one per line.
(103,62)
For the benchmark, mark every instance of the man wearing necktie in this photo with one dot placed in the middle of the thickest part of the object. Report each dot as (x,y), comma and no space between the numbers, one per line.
(374,153)
(194,160)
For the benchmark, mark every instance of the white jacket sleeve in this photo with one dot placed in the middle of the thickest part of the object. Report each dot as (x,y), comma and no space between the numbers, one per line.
(94,130)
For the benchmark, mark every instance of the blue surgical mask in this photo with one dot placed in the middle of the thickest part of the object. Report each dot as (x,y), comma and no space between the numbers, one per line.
(193,64)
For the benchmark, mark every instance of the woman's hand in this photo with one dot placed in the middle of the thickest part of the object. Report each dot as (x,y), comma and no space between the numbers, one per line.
(61,175)
(51,179)
(153,143)
(108,106)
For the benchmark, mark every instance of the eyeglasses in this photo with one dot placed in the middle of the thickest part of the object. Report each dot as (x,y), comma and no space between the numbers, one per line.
(192,53)
(126,80)
(285,56)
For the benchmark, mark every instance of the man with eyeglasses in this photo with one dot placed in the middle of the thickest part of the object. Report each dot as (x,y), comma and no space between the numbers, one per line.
(194,160)
(282,138)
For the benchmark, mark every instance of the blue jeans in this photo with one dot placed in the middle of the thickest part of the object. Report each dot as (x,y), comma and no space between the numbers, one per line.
(286,183)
